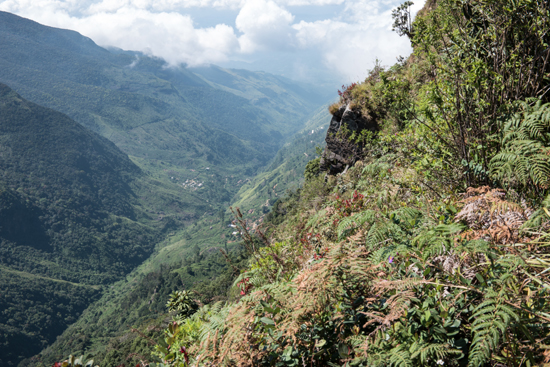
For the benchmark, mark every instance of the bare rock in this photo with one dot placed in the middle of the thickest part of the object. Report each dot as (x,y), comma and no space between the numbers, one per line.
(340,152)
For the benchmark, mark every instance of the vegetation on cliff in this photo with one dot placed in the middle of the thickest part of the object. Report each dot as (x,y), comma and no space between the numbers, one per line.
(432,249)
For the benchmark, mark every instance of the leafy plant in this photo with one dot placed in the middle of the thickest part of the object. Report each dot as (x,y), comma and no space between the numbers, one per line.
(402,19)
(483,55)
(182,303)
(75,362)
(523,161)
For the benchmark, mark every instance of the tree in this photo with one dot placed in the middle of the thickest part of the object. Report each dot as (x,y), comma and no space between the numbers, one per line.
(482,56)
(402,20)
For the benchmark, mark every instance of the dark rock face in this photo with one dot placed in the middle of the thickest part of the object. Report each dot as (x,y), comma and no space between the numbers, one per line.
(340,152)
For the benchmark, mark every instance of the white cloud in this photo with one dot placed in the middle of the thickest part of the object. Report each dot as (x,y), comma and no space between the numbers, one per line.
(264,25)
(171,36)
(309,2)
(169,5)
(352,44)
(350,35)
(165,5)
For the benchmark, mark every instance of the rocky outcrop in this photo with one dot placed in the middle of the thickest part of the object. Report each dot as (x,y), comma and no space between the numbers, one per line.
(340,152)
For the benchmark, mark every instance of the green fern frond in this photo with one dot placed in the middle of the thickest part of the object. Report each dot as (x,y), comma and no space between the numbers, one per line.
(523,158)
(406,214)
(491,321)
(436,241)
(374,169)
(382,232)
(313,221)
(432,351)
(510,262)
(382,254)
(349,224)
(400,357)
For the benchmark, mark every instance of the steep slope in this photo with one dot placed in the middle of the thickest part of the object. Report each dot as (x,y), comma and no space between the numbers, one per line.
(79,217)
(286,170)
(424,240)
(188,258)
(70,222)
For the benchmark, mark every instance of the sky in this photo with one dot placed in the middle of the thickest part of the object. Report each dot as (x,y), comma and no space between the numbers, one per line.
(307,40)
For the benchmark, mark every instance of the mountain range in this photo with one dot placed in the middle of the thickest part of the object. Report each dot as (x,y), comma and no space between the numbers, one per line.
(113,165)
(148,109)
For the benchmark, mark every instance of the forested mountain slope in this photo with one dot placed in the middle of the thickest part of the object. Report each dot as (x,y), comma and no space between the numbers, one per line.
(70,222)
(285,171)
(189,259)
(149,110)
(195,135)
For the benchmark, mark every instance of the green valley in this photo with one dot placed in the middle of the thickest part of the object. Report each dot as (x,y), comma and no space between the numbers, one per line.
(419,237)
(104,219)
(201,216)
(71,222)
(134,308)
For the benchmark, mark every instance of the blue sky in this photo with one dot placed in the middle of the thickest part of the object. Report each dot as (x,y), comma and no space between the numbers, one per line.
(309,40)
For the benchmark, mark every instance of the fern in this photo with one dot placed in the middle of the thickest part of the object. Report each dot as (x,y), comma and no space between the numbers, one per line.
(382,233)
(314,220)
(376,169)
(400,357)
(430,243)
(431,351)
(491,320)
(214,317)
(473,247)
(348,225)
(409,217)
(523,159)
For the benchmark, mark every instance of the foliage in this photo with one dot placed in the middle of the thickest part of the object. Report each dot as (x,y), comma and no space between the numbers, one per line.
(403,20)
(522,163)
(70,222)
(482,56)
(312,169)
(133,313)
(389,265)
(75,362)
(406,286)
(346,93)
(181,303)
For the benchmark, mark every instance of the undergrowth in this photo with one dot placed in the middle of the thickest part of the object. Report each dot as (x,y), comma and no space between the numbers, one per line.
(377,280)
(434,248)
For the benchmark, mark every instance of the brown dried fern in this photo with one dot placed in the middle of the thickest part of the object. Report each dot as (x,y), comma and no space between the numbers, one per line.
(489,216)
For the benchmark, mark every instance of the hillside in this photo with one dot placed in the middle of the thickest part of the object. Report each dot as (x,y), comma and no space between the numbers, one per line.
(193,137)
(234,120)
(188,259)
(421,239)
(71,222)
(419,236)
(285,171)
